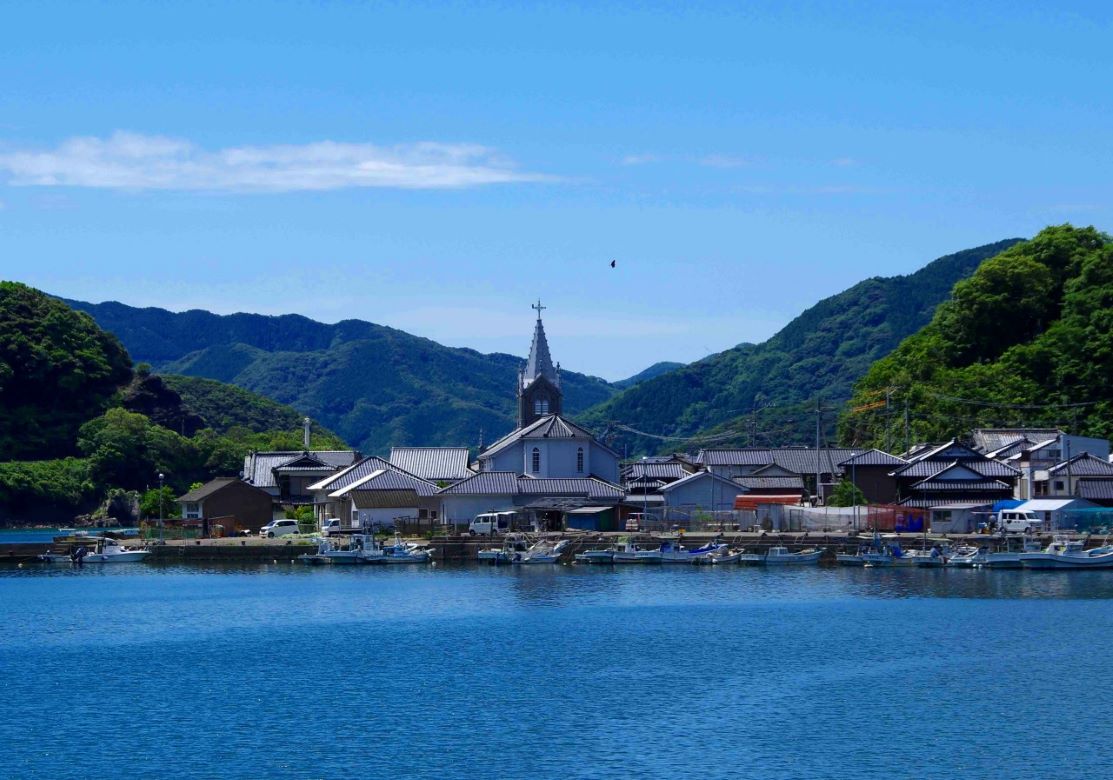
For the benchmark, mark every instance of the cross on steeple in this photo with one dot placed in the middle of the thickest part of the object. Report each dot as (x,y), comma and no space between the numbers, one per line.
(538,307)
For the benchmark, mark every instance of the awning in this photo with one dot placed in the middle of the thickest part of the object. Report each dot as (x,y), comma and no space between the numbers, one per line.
(589,510)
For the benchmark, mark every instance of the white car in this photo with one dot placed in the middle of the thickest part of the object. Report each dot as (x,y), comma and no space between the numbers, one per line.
(279,528)
(330,526)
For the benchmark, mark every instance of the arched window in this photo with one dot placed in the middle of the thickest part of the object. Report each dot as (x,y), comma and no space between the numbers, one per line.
(535,463)
(541,406)
(580,460)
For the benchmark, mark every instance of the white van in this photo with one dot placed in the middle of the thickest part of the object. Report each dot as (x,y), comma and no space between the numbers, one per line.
(491,523)
(330,526)
(1019,521)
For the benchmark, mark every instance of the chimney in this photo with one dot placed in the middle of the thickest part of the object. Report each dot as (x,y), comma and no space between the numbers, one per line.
(305,434)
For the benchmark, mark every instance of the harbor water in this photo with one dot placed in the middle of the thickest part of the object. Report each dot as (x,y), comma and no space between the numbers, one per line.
(283,671)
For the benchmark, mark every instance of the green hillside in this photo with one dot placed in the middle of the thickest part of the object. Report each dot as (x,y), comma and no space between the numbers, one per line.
(373,385)
(823,351)
(652,372)
(224,407)
(1026,340)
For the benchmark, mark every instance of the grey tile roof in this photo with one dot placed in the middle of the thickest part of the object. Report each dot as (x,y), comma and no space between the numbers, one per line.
(391,480)
(873,457)
(590,487)
(1100,489)
(1084,465)
(552,426)
(436,463)
(920,502)
(258,467)
(669,470)
(485,483)
(747,456)
(770,483)
(992,439)
(353,473)
(799,460)
(968,486)
(929,468)
(700,475)
(206,490)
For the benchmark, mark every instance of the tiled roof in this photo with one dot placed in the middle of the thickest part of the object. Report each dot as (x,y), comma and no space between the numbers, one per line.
(699,475)
(258,467)
(435,463)
(770,483)
(929,468)
(969,486)
(799,460)
(872,458)
(551,427)
(206,490)
(670,470)
(573,486)
(949,500)
(1084,465)
(1100,489)
(353,473)
(485,483)
(992,439)
(748,456)
(388,479)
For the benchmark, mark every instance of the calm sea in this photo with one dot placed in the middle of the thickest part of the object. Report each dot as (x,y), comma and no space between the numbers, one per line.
(137,670)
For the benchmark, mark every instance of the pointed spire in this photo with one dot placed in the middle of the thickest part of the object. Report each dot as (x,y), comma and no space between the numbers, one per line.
(540,362)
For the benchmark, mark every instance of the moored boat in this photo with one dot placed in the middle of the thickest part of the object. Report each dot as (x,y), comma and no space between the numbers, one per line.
(1069,554)
(111,551)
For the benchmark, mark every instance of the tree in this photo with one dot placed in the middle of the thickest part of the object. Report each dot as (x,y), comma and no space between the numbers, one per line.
(149,503)
(846,493)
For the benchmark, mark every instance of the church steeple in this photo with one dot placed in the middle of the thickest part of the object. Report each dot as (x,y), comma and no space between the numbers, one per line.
(539,391)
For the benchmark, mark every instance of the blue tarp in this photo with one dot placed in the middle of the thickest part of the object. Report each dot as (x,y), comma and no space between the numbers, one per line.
(1006,503)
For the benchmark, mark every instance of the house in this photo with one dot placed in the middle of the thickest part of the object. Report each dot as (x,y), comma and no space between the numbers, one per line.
(952,473)
(962,518)
(804,462)
(437,464)
(329,498)
(872,472)
(229,502)
(1033,456)
(545,502)
(1066,478)
(288,475)
(545,445)
(389,498)
(703,491)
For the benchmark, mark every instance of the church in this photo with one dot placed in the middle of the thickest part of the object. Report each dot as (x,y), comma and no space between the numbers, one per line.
(546,445)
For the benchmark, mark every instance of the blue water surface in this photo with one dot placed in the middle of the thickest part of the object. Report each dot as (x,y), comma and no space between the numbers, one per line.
(141,670)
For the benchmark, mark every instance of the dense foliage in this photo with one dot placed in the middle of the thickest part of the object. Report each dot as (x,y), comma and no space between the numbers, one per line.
(765,393)
(375,386)
(57,369)
(655,370)
(224,406)
(1026,340)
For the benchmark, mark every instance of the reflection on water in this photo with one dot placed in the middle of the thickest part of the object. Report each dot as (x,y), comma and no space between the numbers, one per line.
(456,671)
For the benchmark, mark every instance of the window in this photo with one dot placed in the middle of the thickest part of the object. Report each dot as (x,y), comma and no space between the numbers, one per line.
(541,406)
(535,463)
(580,460)
(1059,486)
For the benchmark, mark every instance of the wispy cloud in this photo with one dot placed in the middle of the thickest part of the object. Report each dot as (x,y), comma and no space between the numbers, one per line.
(844,162)
(641,159)
(133,161)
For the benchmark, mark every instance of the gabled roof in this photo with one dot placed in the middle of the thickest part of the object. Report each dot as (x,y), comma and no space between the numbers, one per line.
(551,426)
(389,479)
(746,456)
(930,463)
(951,450)
(774,470)
(210,487)
(872,457)
(650,470)
(353,473)
(1084,465)
(798,460)
(702,475)
(258,467)
(993,439)
(966,486)
(754,482)
(436,463)
(485,483)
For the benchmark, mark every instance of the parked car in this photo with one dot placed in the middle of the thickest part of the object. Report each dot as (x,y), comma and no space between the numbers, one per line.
(1019,522)
(490,523)
(279,528)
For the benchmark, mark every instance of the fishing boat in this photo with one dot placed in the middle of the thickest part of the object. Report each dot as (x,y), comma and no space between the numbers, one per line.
(724,554)
(1069,554)
(1009,558)
(542,551)
(605,555)
(405,552)
(512,544)
(778,556)
(671,552)
(627,551)
(966,556)
(111,551)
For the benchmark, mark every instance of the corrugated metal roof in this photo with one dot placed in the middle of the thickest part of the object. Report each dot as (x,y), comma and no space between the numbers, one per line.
(1050,504)
(485,483)
(435,463)
(258,467)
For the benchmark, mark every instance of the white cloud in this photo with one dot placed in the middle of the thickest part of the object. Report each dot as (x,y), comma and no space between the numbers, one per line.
(723,161)
(844,162)
(640,159)
(140,162)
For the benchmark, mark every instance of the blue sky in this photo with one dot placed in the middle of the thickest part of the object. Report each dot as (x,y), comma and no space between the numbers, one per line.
(438,167)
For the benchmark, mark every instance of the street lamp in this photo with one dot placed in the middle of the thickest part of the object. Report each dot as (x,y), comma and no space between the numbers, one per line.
(161,477)
(645,495)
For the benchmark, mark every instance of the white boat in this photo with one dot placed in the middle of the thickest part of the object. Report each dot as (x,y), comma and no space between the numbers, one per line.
(1009,558)
(626,551)
(676,553)
(1069,554)
(718,557)
(405,552)
(512,544)
(56,557)
(111,551)
(967,556)
(778,556)
(605,555)
(542,551)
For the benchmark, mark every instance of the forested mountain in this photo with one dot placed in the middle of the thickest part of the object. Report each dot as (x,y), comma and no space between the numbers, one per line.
(1026,340)
(653,371)
(79,426)
(375,386)
(765,393)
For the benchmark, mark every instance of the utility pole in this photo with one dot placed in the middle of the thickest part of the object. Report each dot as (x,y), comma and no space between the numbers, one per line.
(818,423)
(907,431)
